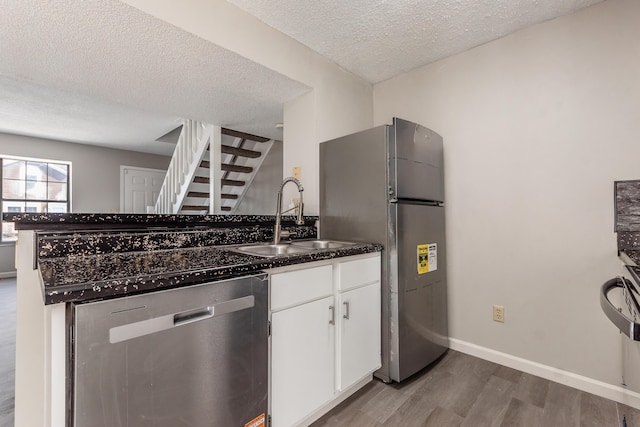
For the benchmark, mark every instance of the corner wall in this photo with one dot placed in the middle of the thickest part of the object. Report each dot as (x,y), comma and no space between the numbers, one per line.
(536,127)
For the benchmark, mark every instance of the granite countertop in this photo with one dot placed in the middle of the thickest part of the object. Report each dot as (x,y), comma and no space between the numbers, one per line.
(91,277)
(87,257)
(78,221)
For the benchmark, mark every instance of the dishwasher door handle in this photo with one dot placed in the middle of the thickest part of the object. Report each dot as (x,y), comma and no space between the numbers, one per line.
(192,315)
(626,325)
(162,323)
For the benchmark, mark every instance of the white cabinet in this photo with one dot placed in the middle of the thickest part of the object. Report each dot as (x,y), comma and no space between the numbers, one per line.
(325,335)
(301,338)
(359,338)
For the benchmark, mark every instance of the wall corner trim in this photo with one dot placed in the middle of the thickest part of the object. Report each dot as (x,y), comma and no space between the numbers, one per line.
(580,382)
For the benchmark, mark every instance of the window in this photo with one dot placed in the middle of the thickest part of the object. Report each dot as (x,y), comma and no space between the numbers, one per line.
(32,185)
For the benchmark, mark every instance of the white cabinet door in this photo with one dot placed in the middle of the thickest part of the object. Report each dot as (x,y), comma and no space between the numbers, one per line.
(302,360)
(359,340)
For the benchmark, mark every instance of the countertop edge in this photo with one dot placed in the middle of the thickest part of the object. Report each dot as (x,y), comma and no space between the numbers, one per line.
(78,221)
(134,285)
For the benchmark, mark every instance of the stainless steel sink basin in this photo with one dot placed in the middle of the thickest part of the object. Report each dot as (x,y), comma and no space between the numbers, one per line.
(272,250)
(321,244)
(291,248)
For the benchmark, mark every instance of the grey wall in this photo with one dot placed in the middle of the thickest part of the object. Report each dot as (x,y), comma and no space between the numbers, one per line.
(261,195)
(7,259)
(95,174)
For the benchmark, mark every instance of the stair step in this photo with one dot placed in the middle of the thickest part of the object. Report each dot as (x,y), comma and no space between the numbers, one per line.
(198,194)
(232,182)
(201,179)
(236,168)
(240,152)
(225,208)
(228,196)
(205,164)
(238,134)
(194,208)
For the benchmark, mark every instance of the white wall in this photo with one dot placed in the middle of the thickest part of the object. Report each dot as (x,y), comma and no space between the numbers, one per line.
(7,260)
(336,107)
(95,174)
(536,128)
(260,198)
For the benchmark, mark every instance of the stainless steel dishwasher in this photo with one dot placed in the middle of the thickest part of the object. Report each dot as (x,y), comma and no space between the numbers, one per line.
(194,356)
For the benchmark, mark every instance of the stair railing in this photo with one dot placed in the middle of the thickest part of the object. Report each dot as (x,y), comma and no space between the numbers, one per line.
(189,152)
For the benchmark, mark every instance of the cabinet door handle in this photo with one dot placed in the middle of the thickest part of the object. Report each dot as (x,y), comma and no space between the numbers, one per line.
(332,319)
(346,310)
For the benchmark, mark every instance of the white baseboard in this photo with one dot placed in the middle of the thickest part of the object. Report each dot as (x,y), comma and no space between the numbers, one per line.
(8,274)
(598,388)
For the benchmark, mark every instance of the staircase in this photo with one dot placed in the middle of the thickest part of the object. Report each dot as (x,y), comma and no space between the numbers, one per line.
(223,163)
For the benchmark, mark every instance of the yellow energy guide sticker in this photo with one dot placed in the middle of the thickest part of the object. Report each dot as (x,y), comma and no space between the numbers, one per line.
(427,258)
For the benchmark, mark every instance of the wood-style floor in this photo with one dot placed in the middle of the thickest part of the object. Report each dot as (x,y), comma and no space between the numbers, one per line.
(7,350)
(461,390)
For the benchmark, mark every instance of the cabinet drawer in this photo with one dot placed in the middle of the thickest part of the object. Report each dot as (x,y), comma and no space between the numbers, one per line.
(358,272)
(296,287)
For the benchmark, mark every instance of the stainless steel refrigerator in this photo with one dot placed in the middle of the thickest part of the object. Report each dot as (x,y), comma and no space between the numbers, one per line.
(386,185)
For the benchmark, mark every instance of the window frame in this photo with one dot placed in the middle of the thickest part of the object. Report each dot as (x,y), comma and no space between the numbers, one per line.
(4,201)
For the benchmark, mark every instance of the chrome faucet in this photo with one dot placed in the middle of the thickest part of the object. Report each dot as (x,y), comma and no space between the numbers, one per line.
(277,232)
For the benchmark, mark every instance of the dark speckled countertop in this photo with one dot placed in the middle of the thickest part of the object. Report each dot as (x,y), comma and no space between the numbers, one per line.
(87,257)
(72,279)
(93,221)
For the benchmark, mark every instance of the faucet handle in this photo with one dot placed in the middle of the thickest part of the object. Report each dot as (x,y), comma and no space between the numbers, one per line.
(285,233)
(300,219)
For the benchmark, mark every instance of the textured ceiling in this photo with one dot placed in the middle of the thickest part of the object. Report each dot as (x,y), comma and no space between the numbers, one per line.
(379,39)
(105,73)
(100,65)
(29,109)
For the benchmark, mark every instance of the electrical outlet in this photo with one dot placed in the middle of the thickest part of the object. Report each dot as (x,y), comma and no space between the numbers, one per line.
(498,313)
(296,172)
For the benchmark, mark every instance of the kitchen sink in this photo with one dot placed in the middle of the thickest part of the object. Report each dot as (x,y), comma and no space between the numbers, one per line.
(272,250)
(321,244)
(291,248)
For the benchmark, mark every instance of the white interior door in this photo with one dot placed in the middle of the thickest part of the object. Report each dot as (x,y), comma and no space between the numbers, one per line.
(139,188)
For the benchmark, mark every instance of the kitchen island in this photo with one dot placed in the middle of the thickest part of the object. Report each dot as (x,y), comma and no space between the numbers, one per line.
(81,258)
